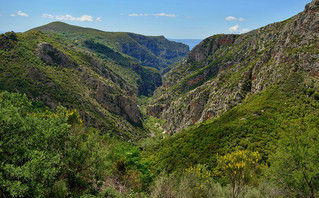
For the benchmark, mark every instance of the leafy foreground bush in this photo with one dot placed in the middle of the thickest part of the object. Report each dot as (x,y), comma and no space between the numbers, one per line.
(295,164)
(45,153)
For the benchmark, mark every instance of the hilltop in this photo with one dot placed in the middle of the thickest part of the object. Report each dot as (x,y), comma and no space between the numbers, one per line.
(150,51)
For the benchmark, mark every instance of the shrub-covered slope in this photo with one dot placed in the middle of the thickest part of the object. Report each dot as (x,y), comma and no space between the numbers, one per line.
(49,70)
(223,70)
(255,124)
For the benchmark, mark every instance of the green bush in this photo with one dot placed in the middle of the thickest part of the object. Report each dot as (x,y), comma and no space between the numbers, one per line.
(39,154)
(295,164)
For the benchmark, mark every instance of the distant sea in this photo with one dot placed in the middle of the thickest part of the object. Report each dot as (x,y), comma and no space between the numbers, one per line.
(190,42)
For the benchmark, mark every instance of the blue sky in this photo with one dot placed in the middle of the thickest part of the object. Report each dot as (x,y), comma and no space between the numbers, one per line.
(180,19)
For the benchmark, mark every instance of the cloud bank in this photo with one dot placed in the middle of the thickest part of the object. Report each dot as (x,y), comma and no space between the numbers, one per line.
(69,17)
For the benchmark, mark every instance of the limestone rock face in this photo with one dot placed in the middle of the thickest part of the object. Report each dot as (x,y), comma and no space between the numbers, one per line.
(52,56)
(223,70)
(205,48)
(118,104)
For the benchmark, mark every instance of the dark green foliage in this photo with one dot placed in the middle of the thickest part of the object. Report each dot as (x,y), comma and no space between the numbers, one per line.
(107,53)
(7,40)
(316,96)
(295,164)
(151,79)
(129,166)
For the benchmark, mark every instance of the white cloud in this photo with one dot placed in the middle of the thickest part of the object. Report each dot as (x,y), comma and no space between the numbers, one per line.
(13,15)
(71,18)
(231,18)
(20,13)
(154,15)
(99,19)
(244,30)
(236,29)
(47,16)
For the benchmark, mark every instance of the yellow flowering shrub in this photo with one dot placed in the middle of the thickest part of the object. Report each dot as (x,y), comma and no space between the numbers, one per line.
(240,167)
(73,116)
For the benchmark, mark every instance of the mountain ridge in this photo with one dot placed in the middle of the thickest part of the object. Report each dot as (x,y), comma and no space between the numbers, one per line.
(125,42)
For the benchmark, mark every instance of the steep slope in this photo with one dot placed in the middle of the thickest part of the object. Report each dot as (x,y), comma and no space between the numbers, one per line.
(52,72)
(223,70)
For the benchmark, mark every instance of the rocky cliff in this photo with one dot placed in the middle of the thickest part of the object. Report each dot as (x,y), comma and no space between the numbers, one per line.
(224,70)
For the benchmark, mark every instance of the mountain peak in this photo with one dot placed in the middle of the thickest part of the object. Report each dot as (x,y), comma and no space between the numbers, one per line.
(313,5)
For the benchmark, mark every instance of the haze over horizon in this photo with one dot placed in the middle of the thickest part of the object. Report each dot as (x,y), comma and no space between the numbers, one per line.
(175,19)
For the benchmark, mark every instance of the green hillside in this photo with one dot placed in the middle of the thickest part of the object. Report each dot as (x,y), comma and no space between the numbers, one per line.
(50,71)
(150,51)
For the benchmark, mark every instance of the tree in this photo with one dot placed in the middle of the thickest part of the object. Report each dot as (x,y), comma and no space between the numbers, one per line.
(240,167)
(30,147)
(47,153)
(295,165)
